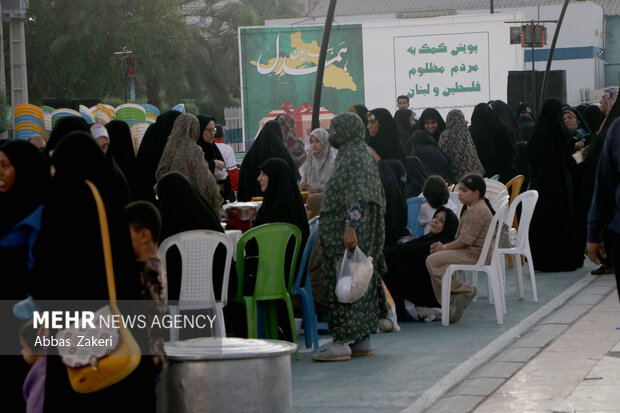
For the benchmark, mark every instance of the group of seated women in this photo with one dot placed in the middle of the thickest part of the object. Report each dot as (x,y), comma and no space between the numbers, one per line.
(416,267)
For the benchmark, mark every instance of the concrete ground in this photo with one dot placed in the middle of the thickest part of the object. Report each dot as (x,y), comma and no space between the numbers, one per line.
(430,367)
(578,372)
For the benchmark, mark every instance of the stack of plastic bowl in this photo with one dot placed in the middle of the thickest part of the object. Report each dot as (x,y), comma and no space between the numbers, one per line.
(179,108)
(47,118)
(137,133)
(131,114)
(29,121)
(103,113)
(151,112)
(63,113)
(87,114)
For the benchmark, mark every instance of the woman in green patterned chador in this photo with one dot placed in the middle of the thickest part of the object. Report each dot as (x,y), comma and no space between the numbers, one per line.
(352,214)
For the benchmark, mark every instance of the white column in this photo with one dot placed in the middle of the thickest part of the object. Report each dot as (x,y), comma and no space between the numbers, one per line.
(2,77)
(19,75)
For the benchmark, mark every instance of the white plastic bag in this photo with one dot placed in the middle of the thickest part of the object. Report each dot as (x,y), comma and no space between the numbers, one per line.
(354,276)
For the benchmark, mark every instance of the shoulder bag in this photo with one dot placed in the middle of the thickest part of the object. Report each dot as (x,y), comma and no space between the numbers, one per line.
(94,367)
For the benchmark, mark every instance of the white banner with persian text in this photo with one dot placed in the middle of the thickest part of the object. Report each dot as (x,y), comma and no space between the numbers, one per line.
(435,60)
(443,71)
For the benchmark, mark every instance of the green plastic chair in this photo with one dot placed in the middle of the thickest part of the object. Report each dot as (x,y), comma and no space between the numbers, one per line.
(272,240)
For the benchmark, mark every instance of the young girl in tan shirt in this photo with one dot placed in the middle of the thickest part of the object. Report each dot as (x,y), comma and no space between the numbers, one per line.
(466,247)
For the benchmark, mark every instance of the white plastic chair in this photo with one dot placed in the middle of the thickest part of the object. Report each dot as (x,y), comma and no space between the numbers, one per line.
(454,197)
(496,192)
(492,270)
(528,200)
(197,249)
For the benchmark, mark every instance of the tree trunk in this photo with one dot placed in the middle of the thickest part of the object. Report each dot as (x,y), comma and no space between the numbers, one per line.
(153,87)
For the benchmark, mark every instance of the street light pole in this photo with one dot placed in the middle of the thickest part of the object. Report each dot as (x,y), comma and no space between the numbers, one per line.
(550,59)
(535,105)
(124,54)
(320,70)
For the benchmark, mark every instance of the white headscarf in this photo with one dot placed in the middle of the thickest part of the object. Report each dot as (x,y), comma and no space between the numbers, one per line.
(318,168)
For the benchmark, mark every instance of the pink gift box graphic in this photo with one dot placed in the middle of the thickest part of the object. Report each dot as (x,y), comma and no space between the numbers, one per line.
(302,116)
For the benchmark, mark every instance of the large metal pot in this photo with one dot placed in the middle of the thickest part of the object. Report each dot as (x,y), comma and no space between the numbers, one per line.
(226,375)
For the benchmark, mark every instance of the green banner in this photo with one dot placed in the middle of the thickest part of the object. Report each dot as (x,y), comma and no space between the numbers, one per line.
(278,69)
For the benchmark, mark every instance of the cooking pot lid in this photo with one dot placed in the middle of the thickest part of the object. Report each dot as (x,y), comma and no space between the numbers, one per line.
(209,348)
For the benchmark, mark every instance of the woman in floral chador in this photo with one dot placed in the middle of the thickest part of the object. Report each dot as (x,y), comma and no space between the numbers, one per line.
(182,154)
(352,214)
(457,143)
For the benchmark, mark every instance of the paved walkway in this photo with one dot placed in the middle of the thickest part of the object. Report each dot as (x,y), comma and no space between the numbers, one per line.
(432,368)
(578,372)
(543,370)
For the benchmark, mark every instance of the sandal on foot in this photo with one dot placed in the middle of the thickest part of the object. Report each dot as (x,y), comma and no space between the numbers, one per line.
(362,348)
(334,353)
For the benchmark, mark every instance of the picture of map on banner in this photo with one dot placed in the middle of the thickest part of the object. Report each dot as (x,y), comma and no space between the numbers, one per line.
(279,65)
(440,71)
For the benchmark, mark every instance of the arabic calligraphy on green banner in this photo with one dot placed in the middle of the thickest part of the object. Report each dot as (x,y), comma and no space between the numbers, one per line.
(279,65)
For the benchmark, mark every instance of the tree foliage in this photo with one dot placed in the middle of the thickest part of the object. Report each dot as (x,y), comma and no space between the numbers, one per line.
(70,46)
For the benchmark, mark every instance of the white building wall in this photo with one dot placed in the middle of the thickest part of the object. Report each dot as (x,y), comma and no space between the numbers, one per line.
(583,27)
(380,75)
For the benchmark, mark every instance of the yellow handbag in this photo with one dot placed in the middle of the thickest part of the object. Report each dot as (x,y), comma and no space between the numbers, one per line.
(93,368)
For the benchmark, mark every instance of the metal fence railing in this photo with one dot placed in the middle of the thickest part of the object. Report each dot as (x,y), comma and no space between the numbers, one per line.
(234,128)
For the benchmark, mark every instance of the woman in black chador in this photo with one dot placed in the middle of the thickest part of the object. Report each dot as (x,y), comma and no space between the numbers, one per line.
(69,269)
(492,141)
(432,122)
(552,230)
(423,146)
(150,152)
(407,277)
(394,180)
(268,144)
(384,137)
(282,200)
(213,156)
